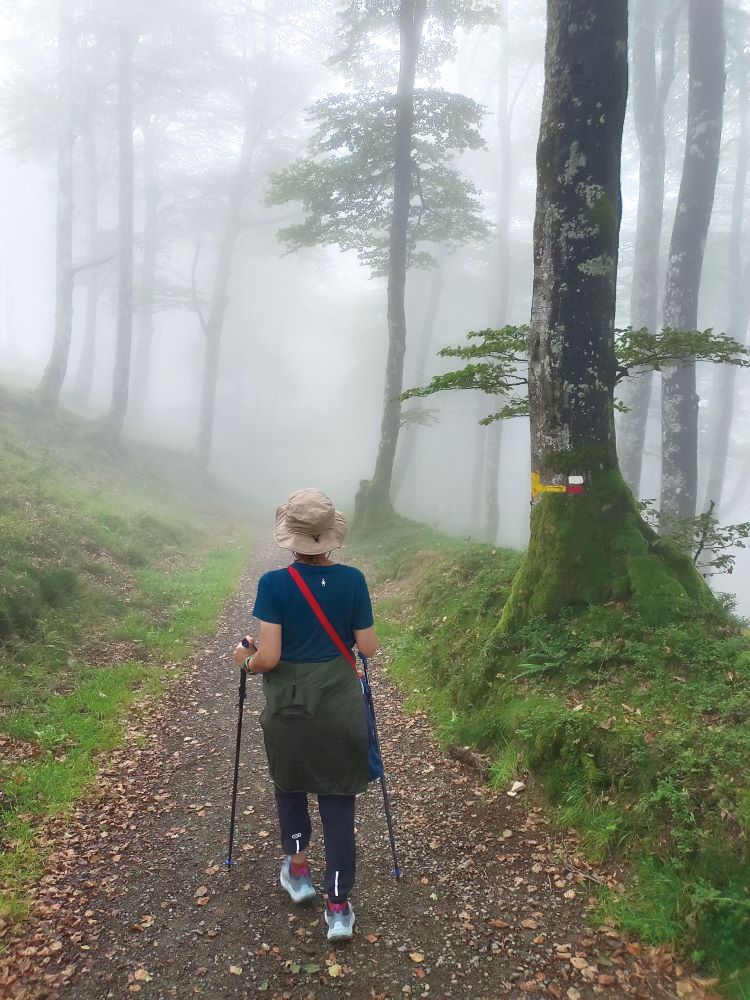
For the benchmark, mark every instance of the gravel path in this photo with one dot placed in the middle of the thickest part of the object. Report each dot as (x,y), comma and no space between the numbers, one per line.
(136,900)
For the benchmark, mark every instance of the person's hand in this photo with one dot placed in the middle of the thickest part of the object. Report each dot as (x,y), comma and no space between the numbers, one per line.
(242,652)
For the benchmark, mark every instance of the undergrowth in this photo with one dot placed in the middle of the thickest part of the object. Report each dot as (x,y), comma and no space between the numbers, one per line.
(637,736)
(111,567)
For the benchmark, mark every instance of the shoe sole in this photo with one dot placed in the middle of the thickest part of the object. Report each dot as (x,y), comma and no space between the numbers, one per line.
(299,900)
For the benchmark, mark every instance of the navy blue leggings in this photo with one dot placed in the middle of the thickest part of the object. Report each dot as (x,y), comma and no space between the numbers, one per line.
(337,817)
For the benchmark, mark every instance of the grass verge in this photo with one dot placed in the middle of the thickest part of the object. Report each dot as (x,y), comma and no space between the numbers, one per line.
(638,737)
(107,576)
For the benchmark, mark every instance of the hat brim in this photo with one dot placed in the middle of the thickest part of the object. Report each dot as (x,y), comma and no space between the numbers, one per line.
(306,545)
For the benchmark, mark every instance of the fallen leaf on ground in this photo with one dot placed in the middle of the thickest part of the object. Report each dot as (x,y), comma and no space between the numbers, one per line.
(142,976)
(416,956)
(236,970)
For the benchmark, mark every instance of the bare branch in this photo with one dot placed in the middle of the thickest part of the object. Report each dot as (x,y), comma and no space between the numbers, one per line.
(94,263)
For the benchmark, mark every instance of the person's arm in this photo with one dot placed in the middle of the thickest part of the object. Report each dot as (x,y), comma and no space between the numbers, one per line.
(267,653)
(367,641)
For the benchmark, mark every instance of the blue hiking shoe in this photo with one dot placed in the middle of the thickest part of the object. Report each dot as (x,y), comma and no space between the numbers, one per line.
(299,886)
(340,919)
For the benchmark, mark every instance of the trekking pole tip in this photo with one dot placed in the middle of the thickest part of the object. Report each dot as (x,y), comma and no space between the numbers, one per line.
(228,863)
(397,873)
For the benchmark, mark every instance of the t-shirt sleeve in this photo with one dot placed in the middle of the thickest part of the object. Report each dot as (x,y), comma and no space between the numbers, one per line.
(362,617)
(267,607)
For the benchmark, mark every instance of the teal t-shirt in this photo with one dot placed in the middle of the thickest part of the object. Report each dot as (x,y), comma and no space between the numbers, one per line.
(340,590)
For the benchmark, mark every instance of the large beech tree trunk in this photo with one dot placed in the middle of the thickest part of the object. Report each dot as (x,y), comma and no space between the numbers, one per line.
(679,449)
(592,547)
(650,93)
(378,507)
(123,345)
(57,366)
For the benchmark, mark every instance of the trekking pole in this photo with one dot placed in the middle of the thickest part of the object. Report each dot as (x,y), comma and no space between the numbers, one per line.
(386,800)
(243,693)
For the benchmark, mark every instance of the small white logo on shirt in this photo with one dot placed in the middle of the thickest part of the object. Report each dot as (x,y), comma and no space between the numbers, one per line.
(323,582)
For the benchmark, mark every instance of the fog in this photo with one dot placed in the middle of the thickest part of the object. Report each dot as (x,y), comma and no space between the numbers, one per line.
(303,340)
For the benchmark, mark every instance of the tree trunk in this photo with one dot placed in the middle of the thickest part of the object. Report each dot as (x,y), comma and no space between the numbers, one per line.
(142,364)
(57,366)
(214,325)
(85,374)
(121,380)
(378,505)
(492,435)
(408,439)
(649,100)
(679,486)
(739,304)
(591,547)
(478,500)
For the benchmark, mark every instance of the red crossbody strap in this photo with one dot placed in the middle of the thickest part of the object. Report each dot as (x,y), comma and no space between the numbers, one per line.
(321,616)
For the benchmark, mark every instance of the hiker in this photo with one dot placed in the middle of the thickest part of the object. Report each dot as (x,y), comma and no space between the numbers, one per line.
(314,724)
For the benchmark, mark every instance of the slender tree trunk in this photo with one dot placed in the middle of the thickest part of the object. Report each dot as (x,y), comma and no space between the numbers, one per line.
(478,500)
(492,481)
(585,548)
(85,374)
(408,439)
(6,304)
(214,325)
(650,93)
(142,363)
(494,432)
(121,380)
(57,366)
(739,304)
(679,486)
(378,504)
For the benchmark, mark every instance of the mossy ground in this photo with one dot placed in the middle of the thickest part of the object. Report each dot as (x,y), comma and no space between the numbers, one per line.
(107,574)
(636,733)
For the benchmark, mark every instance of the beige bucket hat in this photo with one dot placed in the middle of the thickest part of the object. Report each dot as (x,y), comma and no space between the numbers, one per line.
(308,523)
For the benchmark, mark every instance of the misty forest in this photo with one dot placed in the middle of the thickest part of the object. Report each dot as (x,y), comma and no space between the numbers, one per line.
(479,270)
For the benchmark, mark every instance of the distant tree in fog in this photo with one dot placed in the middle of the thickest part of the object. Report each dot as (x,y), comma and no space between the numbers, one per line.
(679,485)
(725,386)
(653,28)
(54,374)
(379,178)
(127,41)
(259,89)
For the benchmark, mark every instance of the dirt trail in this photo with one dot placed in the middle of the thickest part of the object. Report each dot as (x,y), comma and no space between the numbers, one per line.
(135,899)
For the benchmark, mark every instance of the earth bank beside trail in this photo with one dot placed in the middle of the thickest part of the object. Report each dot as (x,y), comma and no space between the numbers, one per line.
(135,898)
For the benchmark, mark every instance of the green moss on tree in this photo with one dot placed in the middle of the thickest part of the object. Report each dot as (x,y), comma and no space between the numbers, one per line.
(593,548)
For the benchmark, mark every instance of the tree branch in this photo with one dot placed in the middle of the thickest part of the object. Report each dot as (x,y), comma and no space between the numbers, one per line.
(94,263)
